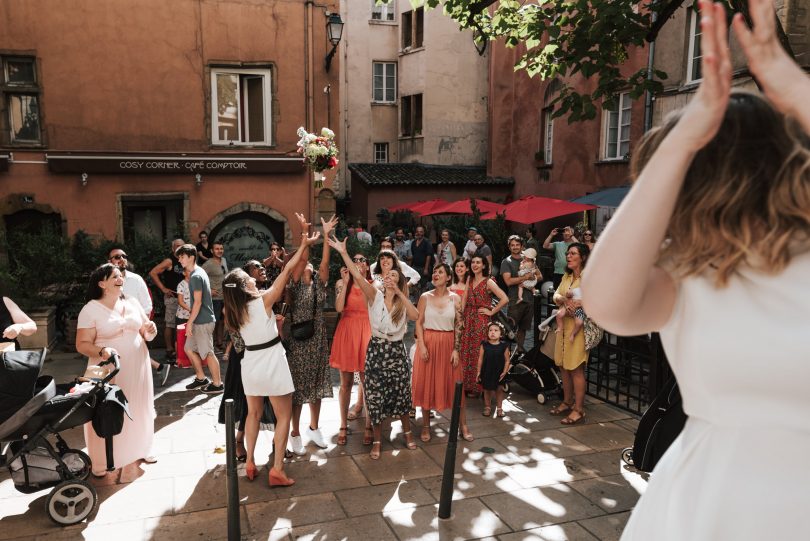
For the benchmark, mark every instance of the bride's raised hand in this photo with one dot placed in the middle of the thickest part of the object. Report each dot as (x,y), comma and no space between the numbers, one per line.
(701,119)
(302,221)
(783,82)
(328,226)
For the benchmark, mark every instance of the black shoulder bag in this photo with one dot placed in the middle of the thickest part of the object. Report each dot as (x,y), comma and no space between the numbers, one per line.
(304,330)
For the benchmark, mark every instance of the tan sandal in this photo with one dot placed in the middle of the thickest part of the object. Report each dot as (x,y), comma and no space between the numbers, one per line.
(499,413)
(409,443)
(341,439)
(561,408)
(376,448)
(425,434)
(487,411)
(571,421)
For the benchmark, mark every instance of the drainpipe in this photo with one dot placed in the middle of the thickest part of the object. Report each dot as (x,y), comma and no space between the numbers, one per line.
(648,98)
(309,91)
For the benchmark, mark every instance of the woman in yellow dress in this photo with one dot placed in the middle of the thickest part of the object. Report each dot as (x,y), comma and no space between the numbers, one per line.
(571,356)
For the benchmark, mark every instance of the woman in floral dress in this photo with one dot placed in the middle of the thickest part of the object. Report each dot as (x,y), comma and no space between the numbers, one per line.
(477,312)
(309,359)
(388,371)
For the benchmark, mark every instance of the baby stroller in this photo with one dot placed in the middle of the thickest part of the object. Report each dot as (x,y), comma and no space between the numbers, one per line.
(32,408)
(536,373)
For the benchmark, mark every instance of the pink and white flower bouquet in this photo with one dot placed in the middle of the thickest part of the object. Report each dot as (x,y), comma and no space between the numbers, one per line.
(319,151)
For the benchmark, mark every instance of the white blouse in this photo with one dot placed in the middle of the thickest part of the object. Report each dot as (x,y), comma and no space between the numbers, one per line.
(381,324)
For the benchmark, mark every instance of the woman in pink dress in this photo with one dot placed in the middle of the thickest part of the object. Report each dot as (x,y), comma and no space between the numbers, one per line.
(112,323)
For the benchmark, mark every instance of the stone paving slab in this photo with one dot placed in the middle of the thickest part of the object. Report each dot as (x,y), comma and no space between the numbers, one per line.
(397,464)
(388,497)
(470,485)
(613,494)
(471,519)
(541,506)
(606,527)
(570,531)
(474,456)
(371,527)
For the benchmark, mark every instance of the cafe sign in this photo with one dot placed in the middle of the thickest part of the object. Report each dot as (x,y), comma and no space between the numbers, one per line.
(244,164)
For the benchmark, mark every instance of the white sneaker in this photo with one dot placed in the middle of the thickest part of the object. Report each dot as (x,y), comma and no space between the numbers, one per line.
(297,445)
(316,437)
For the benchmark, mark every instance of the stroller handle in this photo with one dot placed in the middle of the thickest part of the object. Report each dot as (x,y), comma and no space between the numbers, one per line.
(115,360)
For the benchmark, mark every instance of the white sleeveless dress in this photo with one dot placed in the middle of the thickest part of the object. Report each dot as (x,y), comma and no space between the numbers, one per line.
(739,470)
(264,372)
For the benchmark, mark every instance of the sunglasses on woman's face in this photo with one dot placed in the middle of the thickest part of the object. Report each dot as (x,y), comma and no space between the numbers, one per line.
(119,256)
(588,234)
(359,259)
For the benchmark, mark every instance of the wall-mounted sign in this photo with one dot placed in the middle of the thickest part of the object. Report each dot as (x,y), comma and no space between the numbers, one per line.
(4,158)
(184,164)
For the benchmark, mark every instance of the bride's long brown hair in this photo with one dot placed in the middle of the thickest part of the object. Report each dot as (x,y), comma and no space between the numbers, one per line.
(236,297)
(746,196)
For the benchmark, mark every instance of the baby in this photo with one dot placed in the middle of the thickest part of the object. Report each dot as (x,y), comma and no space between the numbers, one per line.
(579,314)
(527,266)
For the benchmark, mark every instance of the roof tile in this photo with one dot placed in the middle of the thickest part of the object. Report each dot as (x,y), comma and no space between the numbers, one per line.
(391,174)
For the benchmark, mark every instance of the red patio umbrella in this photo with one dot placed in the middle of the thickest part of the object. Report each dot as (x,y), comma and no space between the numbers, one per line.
(419,207)
(531,209)
(462,206)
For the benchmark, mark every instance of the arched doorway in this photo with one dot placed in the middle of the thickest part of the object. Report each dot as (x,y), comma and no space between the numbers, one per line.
(247,235)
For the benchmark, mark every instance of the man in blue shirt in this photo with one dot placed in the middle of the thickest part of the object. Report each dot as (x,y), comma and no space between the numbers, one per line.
(201,322)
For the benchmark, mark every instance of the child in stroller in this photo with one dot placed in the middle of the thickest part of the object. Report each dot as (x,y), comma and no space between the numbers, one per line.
(33,407)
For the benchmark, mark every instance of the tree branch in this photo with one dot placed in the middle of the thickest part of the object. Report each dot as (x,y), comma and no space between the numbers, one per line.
(663,16)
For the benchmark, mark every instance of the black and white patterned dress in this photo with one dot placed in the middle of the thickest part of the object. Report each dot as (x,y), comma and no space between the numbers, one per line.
(388,371)
(309,359)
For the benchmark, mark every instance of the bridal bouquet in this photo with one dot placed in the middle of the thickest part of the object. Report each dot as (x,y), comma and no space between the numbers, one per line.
(319,151)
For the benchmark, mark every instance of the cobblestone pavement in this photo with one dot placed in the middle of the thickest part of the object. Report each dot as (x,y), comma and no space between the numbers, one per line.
(524,477)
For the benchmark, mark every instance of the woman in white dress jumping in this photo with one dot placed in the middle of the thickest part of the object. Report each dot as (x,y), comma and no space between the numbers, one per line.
(711,247)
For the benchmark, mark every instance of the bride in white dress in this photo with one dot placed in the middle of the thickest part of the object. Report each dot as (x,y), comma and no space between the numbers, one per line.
(727,183)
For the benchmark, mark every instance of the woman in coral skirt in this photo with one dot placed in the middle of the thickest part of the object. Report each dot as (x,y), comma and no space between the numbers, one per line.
(436,367)
(350,341)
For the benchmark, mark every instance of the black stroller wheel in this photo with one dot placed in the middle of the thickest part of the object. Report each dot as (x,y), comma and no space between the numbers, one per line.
(627,456)
(69,456)
(70,502)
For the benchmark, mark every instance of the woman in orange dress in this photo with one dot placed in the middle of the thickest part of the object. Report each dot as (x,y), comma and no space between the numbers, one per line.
(436,367)
(350,342)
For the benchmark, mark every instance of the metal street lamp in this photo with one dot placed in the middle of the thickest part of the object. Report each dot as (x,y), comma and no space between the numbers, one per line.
(334,31)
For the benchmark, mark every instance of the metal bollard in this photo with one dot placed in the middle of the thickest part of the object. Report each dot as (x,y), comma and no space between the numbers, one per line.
(446,498)
(234,529)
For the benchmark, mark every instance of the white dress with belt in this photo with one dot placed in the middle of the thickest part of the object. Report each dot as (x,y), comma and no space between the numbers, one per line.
(265,372)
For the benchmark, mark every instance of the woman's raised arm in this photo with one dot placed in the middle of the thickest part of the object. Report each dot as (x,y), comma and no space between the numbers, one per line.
(623,290)
(368,290)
